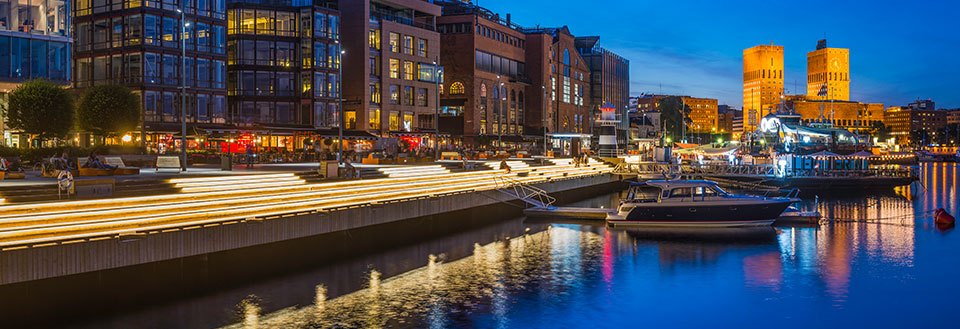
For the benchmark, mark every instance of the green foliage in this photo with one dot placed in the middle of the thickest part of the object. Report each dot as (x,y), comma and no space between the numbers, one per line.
(880,131)
(671,119)
(41,107)
(108,110)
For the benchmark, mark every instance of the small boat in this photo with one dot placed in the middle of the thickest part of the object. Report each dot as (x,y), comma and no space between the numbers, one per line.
(694,203)
(794,215)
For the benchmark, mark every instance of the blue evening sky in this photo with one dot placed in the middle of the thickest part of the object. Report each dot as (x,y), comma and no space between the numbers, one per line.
(899,50)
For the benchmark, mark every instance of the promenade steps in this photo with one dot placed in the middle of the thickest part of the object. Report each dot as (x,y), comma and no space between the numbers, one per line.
(74,221)
(190,221)
(48,192)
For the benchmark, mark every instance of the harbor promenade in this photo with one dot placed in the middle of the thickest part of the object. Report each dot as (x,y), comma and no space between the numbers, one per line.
(218,213)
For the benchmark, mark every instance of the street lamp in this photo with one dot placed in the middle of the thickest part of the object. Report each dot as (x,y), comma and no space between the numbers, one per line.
(543,115)
(183,90)
(340,104)
(436,115)
(500,113)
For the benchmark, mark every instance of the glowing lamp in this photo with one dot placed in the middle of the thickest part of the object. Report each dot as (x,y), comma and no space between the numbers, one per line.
(126,138)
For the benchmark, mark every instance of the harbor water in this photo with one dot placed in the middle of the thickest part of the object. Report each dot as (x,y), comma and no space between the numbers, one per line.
(877,260)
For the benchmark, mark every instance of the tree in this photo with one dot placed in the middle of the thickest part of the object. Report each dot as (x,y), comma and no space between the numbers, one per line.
(880,130)
(108,110)
(42,108)
(671,118)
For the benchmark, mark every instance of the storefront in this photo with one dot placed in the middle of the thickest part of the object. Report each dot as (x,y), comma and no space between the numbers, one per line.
(567,145)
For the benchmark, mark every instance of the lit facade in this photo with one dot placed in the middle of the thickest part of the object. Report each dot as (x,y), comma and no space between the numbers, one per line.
(725,117)
(828,68)
(389,85)
(904,121)
(953,117)
(762,82)
(854,116)
(283,75)
(34,43)
(138,44)
(704,113)
(555,66)
(485,76)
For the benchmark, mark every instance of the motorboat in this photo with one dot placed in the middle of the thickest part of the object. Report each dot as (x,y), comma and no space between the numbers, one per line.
(694,203)
(794,214)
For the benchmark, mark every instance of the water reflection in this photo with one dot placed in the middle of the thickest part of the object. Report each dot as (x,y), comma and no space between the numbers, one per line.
(536,277)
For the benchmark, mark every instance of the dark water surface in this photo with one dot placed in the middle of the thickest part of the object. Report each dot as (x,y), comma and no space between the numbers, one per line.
(880,263)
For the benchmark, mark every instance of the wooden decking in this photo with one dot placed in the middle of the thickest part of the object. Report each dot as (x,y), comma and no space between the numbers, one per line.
(569,213)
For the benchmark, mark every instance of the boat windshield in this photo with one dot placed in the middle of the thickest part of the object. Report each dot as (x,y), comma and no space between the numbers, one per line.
(719,190)
(643,193)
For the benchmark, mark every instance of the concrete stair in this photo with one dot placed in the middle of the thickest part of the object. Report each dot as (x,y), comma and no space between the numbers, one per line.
(230,199)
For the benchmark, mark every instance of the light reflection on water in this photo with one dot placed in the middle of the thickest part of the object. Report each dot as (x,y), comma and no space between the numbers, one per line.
(880,263)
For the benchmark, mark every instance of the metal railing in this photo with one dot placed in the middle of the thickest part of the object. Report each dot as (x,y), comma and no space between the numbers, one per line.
(527,193)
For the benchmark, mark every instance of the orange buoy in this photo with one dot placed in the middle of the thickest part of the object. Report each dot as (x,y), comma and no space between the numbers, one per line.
(941,217)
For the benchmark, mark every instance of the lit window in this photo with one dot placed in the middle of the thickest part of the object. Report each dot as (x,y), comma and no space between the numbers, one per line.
(456,88)
(394,68)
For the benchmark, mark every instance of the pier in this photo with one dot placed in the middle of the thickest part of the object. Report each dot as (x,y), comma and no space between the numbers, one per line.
(771,177)
(215,214)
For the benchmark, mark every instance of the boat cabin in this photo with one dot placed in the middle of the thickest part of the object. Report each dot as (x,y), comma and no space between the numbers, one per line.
(663,190)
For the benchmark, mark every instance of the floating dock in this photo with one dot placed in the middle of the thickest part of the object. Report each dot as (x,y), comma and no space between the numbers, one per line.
(569,212)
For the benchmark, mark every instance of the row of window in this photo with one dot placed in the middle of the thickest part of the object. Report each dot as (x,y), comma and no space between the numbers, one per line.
(410,96)
(846,122)
(207,8)
(164,106)
(499,65)
(453,28)
(411,71)
(409,46)
(575,97)
(828,76)
(22,58)
(397,120)
(150,68)
(485,31)
(48,17)
(282,23)
(320,114)
(271,83)
(283,53)
(763,74)
(150,30)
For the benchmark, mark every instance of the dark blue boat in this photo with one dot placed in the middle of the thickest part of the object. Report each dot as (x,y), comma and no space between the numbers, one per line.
(694,203)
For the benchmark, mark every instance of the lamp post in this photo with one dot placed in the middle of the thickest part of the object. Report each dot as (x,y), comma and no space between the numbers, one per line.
(340,104)
(543,115)
(503,97)
(183,91)
(436,115)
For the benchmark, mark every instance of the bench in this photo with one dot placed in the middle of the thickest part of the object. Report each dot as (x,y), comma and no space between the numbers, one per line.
(88,172)
(122,169)
(168,162)
(449,156)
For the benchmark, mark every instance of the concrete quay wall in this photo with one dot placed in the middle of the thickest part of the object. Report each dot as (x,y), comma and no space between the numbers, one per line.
(24,265)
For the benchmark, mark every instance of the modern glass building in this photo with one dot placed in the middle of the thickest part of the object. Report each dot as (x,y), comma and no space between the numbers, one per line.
(138,43)
(34,43)
(283,62)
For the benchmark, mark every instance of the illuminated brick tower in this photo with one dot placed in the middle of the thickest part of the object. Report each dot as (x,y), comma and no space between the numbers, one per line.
(830,67)
(762,82)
